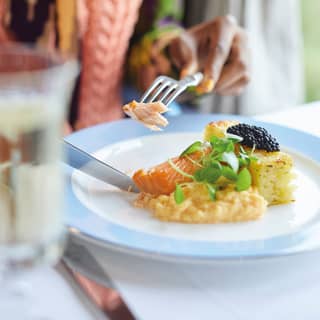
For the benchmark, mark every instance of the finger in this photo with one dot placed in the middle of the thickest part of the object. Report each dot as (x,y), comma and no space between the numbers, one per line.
(230,74)
(236,88)
(183,54)
(220,47)
(162,64)
(238,64)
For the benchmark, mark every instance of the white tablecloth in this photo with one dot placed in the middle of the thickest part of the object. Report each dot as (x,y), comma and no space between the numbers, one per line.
(284,288)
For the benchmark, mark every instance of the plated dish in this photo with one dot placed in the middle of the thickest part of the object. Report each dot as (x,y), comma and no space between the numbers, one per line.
(107,216)
(232,175)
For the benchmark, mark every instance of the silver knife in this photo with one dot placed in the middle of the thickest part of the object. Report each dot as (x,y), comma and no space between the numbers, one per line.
(85,162)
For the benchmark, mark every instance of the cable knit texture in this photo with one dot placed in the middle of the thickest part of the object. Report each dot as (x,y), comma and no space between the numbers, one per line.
(109,26)
(3,10)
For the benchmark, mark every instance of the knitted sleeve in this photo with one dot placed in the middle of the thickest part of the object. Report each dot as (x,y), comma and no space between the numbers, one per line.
(108,27)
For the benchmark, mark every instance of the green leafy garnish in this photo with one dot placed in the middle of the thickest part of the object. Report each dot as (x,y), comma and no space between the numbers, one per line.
(208,174)
(196,146)
(224,159)
(178,194)
(212,191)
(244,180)
(229,173)
(216,164)
(221,145)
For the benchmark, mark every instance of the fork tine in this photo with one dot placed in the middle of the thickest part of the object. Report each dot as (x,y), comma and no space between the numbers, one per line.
(168,91)
(174,94)
(159,90)
(155,84)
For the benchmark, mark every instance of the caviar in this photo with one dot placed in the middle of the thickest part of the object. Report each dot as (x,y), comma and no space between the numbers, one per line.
(255,136)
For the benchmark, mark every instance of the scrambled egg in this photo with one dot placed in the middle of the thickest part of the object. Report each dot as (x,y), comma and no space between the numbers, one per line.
(229,206)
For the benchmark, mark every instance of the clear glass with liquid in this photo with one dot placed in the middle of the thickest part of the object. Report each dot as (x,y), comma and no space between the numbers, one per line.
(35,89)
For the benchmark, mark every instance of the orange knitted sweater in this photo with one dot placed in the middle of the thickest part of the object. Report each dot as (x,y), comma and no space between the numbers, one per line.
(109,27)
(103,27)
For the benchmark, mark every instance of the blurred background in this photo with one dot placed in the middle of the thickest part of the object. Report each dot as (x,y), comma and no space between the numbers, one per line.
(283,36)
(310,10)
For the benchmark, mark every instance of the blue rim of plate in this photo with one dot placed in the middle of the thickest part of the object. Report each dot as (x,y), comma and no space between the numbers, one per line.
(88,225)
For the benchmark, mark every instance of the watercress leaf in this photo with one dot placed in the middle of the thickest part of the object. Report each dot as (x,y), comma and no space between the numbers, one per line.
(216,164)
(228,173)
(219,144)
(231,159)
(221,147)
(212,191)
(244,180)
(213,140)
(208,174)
(199,175)
(243,162)
(214,156)
(211,174)
(230,147)
(196,146)
(178,194)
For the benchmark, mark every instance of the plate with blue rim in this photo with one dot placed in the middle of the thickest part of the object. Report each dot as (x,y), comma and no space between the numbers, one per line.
(100,213)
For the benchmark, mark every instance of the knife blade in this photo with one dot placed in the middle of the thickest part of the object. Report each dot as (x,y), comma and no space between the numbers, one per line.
(85,162)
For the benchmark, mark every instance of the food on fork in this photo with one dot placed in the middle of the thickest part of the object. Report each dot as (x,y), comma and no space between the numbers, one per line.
(231,176)
(149,114)
(163,89)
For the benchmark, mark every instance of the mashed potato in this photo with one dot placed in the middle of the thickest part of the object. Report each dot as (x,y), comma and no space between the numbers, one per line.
(229,206)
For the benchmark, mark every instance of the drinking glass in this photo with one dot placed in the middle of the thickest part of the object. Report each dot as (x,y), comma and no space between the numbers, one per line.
(35,89)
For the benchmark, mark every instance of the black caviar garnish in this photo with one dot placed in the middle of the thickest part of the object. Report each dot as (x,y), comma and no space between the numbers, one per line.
(255,136)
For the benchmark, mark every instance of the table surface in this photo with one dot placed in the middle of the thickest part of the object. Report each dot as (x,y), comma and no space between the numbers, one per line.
(146,288)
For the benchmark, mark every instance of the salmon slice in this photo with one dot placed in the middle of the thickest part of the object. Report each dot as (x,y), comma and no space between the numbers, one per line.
(162,179)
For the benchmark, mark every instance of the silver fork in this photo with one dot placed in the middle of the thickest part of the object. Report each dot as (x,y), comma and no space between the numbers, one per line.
(166,89)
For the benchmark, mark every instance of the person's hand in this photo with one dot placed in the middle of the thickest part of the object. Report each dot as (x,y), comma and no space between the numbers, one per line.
(217,48)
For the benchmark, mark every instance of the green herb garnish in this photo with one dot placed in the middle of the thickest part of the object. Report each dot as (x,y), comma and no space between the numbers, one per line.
(221,145)
(228,173)
(223,159)
(208,174)
(196,146)
(178,194)
(244,180)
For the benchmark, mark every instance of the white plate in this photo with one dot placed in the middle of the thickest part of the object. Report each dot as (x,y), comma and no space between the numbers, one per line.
(113,221)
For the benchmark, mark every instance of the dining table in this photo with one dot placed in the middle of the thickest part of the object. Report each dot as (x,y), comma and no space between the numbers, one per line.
(286,287)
